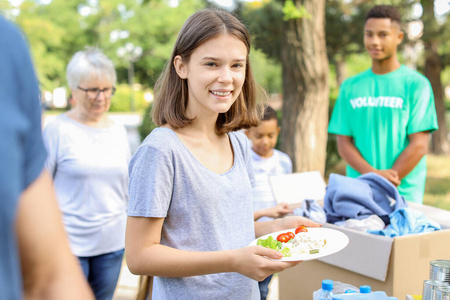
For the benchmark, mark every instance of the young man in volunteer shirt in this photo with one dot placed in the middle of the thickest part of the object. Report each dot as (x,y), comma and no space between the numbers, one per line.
(383,116)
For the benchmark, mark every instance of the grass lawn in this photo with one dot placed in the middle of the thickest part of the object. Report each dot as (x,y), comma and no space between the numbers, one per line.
(437,186)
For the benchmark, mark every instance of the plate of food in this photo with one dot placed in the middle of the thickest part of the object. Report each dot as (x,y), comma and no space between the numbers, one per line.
(304,243)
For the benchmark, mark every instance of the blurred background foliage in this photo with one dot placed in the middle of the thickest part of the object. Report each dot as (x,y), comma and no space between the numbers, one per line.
(138,36)
(56,29)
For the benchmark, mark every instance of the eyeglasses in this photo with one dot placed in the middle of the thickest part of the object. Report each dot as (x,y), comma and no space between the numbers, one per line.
(95,92)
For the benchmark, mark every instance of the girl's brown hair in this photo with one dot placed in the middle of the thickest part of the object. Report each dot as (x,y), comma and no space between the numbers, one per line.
(171,92)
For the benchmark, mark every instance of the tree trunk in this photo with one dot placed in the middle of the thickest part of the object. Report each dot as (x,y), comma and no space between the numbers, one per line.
(305,89)
(341,70)
(433,69)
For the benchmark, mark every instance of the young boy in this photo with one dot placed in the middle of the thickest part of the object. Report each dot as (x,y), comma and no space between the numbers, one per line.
(383,116)
(267,161)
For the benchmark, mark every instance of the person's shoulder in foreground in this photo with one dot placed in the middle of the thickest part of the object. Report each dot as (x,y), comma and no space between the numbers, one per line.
(19,168)
(32,243)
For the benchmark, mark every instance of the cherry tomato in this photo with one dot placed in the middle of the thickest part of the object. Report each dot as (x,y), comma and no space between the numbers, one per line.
(290,234)
(284,238)
(301,229)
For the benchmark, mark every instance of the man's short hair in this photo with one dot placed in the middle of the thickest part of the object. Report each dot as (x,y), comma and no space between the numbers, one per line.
(384,12)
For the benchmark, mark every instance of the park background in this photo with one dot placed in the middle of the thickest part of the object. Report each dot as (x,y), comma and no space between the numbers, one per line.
(303,50)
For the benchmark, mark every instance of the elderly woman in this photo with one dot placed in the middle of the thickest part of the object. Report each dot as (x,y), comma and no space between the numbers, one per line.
(88,157)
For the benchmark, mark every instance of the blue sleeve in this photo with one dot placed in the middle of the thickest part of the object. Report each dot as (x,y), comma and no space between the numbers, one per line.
(35,153)
(19,82)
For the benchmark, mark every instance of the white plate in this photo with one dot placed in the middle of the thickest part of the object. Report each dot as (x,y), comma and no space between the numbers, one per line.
(336,241)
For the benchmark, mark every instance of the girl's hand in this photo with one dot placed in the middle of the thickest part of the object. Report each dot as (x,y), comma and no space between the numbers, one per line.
(254,262)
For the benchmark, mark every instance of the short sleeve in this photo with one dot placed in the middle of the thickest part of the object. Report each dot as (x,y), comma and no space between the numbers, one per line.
(50,136)
(27,90)
(422,112)
(151,182)
(287,165)
(339,118)
(34,154)
(248,158)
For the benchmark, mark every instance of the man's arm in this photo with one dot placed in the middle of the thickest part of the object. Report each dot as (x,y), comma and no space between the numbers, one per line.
(412,154)
(49,269)
(348,151)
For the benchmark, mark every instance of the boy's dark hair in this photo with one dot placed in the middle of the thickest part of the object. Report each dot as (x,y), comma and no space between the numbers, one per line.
(384,12)
(269,114)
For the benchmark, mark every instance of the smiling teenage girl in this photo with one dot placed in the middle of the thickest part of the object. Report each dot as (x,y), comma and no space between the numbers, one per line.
(190,212)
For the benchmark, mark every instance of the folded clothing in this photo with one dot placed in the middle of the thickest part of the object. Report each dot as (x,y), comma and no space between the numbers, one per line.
(372,222)
(407,221)
(358,198)
(312,210)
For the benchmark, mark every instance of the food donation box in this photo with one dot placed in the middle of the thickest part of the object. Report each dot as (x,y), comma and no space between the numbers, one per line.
(397,266)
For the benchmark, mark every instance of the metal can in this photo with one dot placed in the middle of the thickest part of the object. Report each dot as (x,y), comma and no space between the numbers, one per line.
(442,293)
(429,289)
(440,270)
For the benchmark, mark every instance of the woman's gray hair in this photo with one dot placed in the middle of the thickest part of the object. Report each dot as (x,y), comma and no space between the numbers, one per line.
(88,64)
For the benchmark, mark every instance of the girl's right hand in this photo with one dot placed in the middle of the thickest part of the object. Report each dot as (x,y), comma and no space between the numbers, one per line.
(254,262)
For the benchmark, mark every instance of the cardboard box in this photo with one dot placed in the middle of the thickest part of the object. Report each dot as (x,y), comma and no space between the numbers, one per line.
(397,265)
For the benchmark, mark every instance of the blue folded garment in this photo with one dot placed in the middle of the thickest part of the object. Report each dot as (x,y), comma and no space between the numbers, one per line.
(312,210)
(407,221)
(358,198)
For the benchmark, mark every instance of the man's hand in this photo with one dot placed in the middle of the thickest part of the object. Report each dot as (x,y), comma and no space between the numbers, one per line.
(391,175)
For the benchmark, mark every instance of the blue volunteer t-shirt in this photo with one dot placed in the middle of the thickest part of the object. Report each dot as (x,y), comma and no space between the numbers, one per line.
(379,112)
(22,153)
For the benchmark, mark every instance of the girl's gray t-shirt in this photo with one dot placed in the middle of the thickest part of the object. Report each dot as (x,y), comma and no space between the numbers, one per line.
(203,210)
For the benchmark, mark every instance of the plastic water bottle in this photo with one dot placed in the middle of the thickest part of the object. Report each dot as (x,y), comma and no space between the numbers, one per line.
(378,295)
(364,292)
(365,289)
(327,290)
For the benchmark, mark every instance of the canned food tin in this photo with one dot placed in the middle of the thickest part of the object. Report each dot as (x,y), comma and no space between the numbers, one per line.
(429,289)
(442,293)
(440,270)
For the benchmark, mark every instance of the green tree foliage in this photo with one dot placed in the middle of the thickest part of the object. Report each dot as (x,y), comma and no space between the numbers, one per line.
(147,124)
(57,30)
(267,71)
(265,24)
(153,26)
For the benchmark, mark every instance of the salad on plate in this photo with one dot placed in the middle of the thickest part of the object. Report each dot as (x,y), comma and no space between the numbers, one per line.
(304,243)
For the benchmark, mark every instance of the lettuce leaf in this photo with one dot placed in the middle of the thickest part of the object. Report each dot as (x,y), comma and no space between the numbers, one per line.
(270,242)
